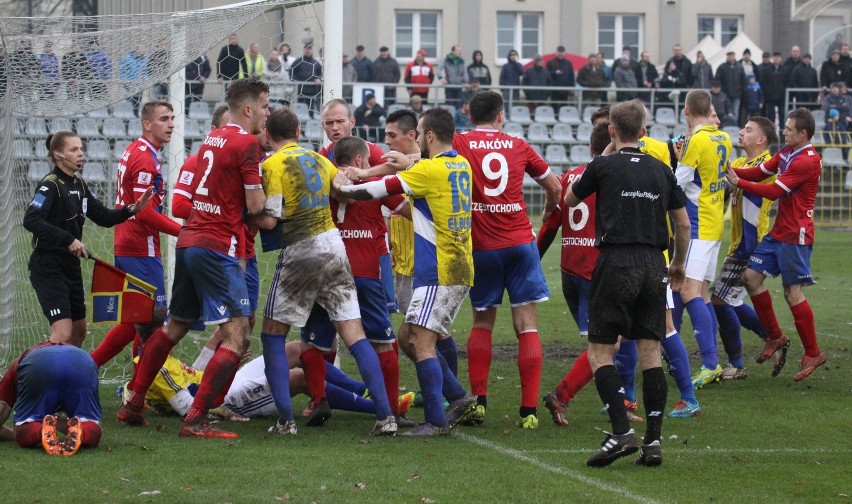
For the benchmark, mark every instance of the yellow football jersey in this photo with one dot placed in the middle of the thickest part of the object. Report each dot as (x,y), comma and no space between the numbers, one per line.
(440,191)
(402,244)
(701,175)
(656,149)
(297,183)
(749,212)
(173,376)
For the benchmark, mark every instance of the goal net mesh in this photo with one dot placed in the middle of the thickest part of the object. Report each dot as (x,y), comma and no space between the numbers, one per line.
(90,75)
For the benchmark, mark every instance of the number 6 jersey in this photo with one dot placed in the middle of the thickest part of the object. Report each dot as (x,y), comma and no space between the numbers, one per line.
(499,162)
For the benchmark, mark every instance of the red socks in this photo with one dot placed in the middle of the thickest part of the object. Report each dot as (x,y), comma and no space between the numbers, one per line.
(803,316)
(479,360)
(529,366)
(28,435)
(220,371)
(578,377)
(763,306)
(156,351)
(113,343)
(313,363)
(389,361)
(91,434)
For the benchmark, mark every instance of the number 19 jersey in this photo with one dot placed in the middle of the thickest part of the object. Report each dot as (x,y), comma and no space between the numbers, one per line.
(701,174)
(499,163)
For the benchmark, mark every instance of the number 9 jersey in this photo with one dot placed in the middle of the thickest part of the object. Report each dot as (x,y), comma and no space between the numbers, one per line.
(499,162)
(701,174)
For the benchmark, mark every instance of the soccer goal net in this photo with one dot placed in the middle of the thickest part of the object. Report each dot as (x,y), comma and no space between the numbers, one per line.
(90,75)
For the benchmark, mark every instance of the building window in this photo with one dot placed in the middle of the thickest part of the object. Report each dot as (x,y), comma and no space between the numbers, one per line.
(723,29)
(618,30)
(416,30)
(520,31)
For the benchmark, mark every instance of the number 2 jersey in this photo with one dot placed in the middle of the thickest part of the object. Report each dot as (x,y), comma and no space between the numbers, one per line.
(229,164)
(498,162)
(701,174)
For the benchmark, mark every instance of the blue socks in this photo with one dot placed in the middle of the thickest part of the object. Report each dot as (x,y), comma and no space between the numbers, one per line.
(447,349)
(337,377)
(625,362)
(705,334)
(729,332)
(677,311)
(371,372)
(277,373)
(748,319)
(451,388)
(431,382)
(342,399)
(679,366)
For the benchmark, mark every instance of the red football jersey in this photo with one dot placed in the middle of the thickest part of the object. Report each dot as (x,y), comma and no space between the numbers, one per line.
(186,183)
(376,154)
(229,163)
(798,174)
(499,163)
(185,188)
(138,169)
(579,253)
(362,227)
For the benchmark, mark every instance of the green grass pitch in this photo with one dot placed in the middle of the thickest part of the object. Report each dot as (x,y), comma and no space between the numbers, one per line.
(759,440)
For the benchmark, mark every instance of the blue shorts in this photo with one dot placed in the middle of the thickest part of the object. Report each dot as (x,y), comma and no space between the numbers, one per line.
(252,282)
(576,292)
(59,377)
(319,331)
(213,288)
(387,282)
(516,269)
(147,269)
(792,262)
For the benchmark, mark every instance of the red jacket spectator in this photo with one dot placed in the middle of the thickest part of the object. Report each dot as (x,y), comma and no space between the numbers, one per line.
(420,72)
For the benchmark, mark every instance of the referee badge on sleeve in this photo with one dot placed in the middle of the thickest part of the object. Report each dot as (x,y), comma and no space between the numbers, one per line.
(85,206)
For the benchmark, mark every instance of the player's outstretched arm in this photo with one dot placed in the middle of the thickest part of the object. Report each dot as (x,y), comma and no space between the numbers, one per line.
(677,268)
(342,186)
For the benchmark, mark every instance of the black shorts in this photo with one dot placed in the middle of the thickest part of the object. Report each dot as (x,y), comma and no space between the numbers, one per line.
(628,295)
(58,284)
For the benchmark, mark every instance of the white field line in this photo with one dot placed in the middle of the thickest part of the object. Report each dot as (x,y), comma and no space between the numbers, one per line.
(732,451)
(588,480)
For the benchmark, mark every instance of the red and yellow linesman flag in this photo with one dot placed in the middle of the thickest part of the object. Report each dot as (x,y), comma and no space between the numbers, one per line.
(118,297)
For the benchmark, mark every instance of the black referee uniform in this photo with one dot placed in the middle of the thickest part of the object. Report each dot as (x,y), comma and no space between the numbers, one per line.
(628,291)
(55,217)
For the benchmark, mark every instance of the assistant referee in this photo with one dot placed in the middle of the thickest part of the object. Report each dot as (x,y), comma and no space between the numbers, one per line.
(55,217)
(635,192)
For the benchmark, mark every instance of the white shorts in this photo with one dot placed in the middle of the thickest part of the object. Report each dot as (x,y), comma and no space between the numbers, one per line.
(701,259)
(313,270)
(249,394)
(729,285)
(435,307)
(403,286)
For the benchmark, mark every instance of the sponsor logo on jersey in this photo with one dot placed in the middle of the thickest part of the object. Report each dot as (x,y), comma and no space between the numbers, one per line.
(639,194)
(144,178)
(38,201)
(186,178)
(221,310)
(203,206)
